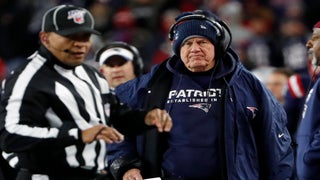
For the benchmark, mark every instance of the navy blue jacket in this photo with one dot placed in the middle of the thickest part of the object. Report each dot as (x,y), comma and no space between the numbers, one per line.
(254,134)
(308,137)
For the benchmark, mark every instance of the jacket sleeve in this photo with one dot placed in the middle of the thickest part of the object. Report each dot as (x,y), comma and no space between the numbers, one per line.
(260,120)
(126,155)
(122,157)
(274,139)
(294,100)
(128,105)
(293,107)
(127,120)
(308,137)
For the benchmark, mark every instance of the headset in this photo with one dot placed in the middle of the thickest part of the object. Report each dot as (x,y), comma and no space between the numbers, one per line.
(137,59)
(224,39)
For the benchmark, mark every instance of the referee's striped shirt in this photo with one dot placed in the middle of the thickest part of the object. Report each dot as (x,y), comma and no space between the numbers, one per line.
(44,107)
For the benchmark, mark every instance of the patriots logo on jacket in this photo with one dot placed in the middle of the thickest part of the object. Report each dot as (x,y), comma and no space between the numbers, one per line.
(203,106)
(253,110)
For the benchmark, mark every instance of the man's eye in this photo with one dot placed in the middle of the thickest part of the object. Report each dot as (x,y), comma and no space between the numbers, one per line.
(314,38)
(188,44)
(203,42)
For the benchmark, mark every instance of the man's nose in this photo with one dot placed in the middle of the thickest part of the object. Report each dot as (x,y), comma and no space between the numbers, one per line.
(195,46)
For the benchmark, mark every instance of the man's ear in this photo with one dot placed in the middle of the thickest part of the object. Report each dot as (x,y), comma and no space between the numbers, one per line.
(101,70)
(44,38)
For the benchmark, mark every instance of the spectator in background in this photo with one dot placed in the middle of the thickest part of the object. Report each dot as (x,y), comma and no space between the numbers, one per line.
(308,133)
(3,69)
(277,81)
(101,12)
(262,73)
(125,28)
(164,50)
(17,40)
(262,47)
(292,42)
(214,6)
(119,62)
(232,13)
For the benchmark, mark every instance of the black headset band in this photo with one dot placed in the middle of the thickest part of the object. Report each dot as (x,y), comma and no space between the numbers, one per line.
(219,26)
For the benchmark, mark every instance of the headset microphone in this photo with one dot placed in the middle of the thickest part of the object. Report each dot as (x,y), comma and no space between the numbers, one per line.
(65,50)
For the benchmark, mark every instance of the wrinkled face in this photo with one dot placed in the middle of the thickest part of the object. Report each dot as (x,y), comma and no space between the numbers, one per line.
(197,54)
(313,45)
(70,50)
(118,71)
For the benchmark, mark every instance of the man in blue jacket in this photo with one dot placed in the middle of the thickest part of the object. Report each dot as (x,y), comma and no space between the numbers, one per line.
(226,124)
(308,136)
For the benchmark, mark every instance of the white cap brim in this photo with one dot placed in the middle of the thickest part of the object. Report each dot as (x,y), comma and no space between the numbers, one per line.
(116,51)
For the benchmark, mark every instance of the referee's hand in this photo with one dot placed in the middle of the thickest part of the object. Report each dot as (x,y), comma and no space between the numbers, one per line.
(101,132)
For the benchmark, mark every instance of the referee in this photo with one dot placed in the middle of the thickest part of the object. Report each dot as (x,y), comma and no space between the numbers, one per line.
(56,112)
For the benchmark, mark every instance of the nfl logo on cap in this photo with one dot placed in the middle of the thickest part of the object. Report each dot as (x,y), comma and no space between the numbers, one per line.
(68,19)
(77,16)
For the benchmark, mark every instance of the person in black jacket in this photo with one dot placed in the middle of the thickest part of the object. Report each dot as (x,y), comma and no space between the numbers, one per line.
(57,114)
(226,123)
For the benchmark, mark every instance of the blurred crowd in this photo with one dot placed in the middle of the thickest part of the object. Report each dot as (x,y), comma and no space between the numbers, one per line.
(266,33)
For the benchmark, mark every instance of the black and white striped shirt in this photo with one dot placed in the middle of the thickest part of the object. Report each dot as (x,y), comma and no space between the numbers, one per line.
(44,107)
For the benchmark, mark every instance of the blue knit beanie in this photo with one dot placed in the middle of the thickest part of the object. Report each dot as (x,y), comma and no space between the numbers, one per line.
(194,27)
